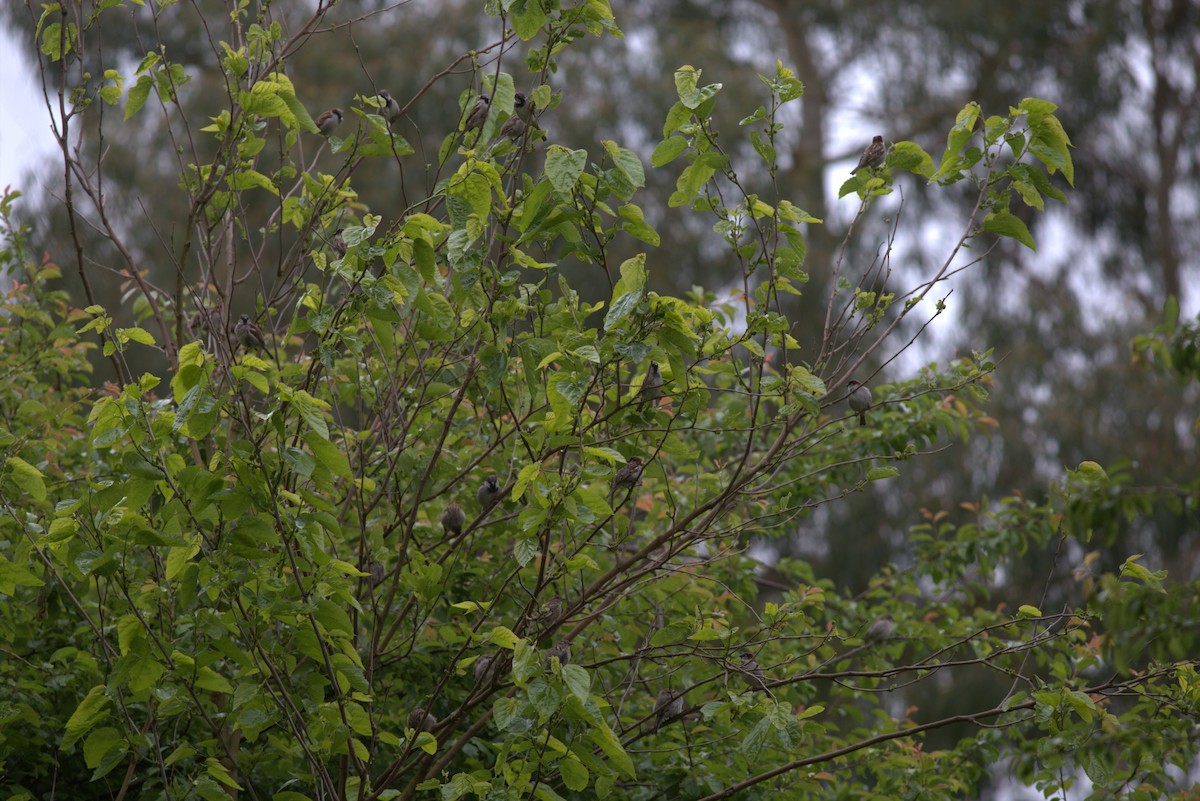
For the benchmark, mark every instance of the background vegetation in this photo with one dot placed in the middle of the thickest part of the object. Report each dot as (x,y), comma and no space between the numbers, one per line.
(233,570)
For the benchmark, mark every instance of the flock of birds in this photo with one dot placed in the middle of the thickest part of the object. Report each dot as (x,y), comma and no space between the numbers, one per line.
(514,127)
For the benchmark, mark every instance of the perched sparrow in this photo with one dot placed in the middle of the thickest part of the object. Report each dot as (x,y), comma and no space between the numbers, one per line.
(550,612)
(421,720)
(667,707)
(389,109)
(560,649)
(478,114)
(873,156)
(202,319)
(514,127)
(377,574)
(652,386)
(248,334)
(628,477)
(882,629)
(338,243)
(453,519)
(485,670)
(752,674)
(860,400)
(488,492)
(329,120)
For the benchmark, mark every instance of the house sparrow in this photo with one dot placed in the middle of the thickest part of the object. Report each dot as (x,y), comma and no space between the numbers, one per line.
(389,109)
(514,127)
(421,720)
(860,400)
(338,243)
(560,649)
(550,612)
(453,519)
(752,674)
(628,477)
(248,334)
(484,670)
(667,707)
(329,120)
(478,114)
(488,492)
(652,386)
(882,629)
(873,156)
(202,319)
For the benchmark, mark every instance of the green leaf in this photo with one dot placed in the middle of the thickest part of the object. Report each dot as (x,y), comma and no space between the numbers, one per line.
(694,177)
(886,471)
(671,633)
(563,167)
(103,750)
(628,291)
(960,134)
(602,736)
(332,616)
(328,454)
(1131,569)
(574,774)
(610,455)
(91,710)
(911,157)
(668,150)
(220,773)
(1007,224)
(528,19)
(635,224)
(211,680)
(27,477)
(291,795)
(578,681)
(504,637)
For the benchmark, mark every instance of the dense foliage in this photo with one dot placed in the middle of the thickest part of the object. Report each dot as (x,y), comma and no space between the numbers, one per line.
(282,571)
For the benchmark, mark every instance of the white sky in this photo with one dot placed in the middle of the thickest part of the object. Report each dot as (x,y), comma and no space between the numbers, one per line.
(25,133)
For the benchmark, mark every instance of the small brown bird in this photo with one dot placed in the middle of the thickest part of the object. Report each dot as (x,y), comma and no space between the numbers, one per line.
(667,707)
(488,492)
(202,319)
(484,670)
(338,243)
(514,127)
(561,650)
(329,120)
(859,399)
(652,386)
(873,156)
(453,519)
(377,574)
(421,720)
(550,612)
(478,114)
(628,477)
(389,109)
(248,334)
(880,630)
(752,674)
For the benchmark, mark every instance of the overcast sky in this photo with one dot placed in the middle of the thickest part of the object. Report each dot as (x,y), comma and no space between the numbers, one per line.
(25,135)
